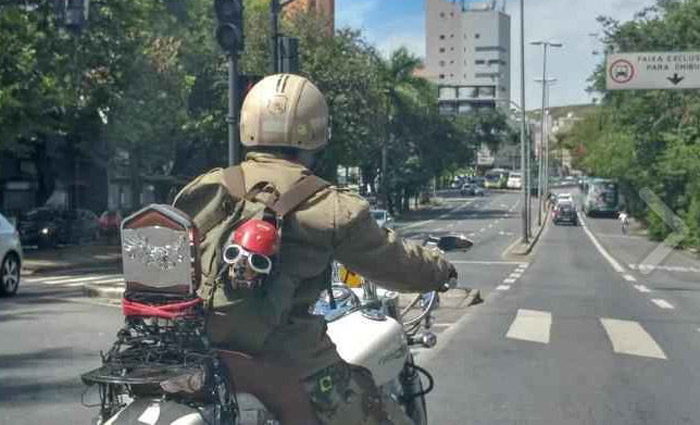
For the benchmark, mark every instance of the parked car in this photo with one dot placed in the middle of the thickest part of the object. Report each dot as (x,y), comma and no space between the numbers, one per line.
(10,258)
(565,212)
(47,227)
(383,218)
(471,189)
(515,181)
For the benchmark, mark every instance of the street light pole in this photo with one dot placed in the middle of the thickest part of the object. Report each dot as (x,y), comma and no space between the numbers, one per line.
(523,161)
(540,205)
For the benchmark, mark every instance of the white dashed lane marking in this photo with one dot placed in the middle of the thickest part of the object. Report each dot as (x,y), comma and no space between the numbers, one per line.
(629,278)
(503,287)
(642,288)
(661,303)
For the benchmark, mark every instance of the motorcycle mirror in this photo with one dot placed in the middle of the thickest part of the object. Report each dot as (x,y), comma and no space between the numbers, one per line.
(454,243)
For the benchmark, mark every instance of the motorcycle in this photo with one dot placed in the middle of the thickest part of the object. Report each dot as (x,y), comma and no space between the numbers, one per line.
(162,369)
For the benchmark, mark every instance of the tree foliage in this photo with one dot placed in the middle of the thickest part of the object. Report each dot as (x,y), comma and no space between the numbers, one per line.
(144,87)
(648,138)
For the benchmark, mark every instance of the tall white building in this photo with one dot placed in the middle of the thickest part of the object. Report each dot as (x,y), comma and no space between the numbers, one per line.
(468,54)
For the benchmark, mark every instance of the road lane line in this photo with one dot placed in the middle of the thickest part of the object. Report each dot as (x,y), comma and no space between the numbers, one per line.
(642,288)
(509,280)
(440,217)
(629,278)
(661,303)
(615,265)
(515,275)
(502,263)
(531,325)
(628,337)
(503,287)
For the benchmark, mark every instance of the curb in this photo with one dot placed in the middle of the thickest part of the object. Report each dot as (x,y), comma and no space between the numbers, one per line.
(103,291)
(69,266)
(535,238)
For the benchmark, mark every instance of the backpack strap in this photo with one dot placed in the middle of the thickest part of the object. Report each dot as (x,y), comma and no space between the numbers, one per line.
(234,181)
(297,194)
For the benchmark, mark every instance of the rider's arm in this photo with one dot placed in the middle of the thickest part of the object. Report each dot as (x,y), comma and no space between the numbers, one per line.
(380,255)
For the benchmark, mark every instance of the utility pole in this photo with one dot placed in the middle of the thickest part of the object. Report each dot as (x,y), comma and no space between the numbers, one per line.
(540,204)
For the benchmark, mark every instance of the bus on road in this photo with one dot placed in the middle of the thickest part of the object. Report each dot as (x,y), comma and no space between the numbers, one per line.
(496,178)
(601,196)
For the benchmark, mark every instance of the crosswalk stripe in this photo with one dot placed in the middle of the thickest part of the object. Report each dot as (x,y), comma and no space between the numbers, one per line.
(73,279)
(115,280)
(509,280)
(629,278)
(531,325)
(628,337)
(661,303)
(47,278)
(503,287)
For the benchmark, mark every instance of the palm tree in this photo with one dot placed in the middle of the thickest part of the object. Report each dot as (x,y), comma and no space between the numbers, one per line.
(401,88)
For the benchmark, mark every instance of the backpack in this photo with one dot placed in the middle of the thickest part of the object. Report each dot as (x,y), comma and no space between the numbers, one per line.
(218,203)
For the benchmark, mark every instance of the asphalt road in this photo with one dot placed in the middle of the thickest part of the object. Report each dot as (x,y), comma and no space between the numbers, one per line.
(51,333)
(584,331)
(580,338)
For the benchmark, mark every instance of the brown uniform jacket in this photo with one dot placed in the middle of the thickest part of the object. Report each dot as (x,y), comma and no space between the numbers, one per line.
(333,224)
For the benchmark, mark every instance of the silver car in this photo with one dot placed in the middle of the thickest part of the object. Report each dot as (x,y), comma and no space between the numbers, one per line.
(383,219)
(10,257)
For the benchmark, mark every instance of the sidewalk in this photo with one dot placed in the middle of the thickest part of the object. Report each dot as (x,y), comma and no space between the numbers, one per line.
(70,257)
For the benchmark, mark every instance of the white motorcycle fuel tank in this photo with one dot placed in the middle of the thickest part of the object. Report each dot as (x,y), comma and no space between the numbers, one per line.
(372,340)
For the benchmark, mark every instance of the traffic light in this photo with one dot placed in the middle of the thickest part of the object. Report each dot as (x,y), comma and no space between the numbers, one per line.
(229,32)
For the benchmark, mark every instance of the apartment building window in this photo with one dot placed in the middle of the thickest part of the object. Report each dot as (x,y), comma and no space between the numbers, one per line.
(442,36)
(442,50)
(442,63)
(490,49)
(479,62)
(442,76)
(487,75)
(442,14)
(477,35)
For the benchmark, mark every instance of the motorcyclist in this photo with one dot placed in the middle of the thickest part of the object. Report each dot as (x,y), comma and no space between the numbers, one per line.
(284,126)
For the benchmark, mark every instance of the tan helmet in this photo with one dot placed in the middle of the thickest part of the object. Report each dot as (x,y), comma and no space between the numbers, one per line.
(285,110)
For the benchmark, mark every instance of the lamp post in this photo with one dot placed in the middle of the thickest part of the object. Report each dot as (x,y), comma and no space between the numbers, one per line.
(545,46)
(544,144)
(523,122)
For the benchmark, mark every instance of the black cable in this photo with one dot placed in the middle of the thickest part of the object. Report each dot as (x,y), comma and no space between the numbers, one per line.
(431,382)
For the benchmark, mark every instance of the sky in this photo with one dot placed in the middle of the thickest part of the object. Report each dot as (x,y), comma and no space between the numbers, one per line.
(390,24)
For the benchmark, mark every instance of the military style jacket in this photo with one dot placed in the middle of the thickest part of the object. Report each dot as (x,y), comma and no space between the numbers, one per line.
(332,224)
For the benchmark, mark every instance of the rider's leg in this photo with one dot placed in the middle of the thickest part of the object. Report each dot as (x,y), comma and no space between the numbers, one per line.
(346,395)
